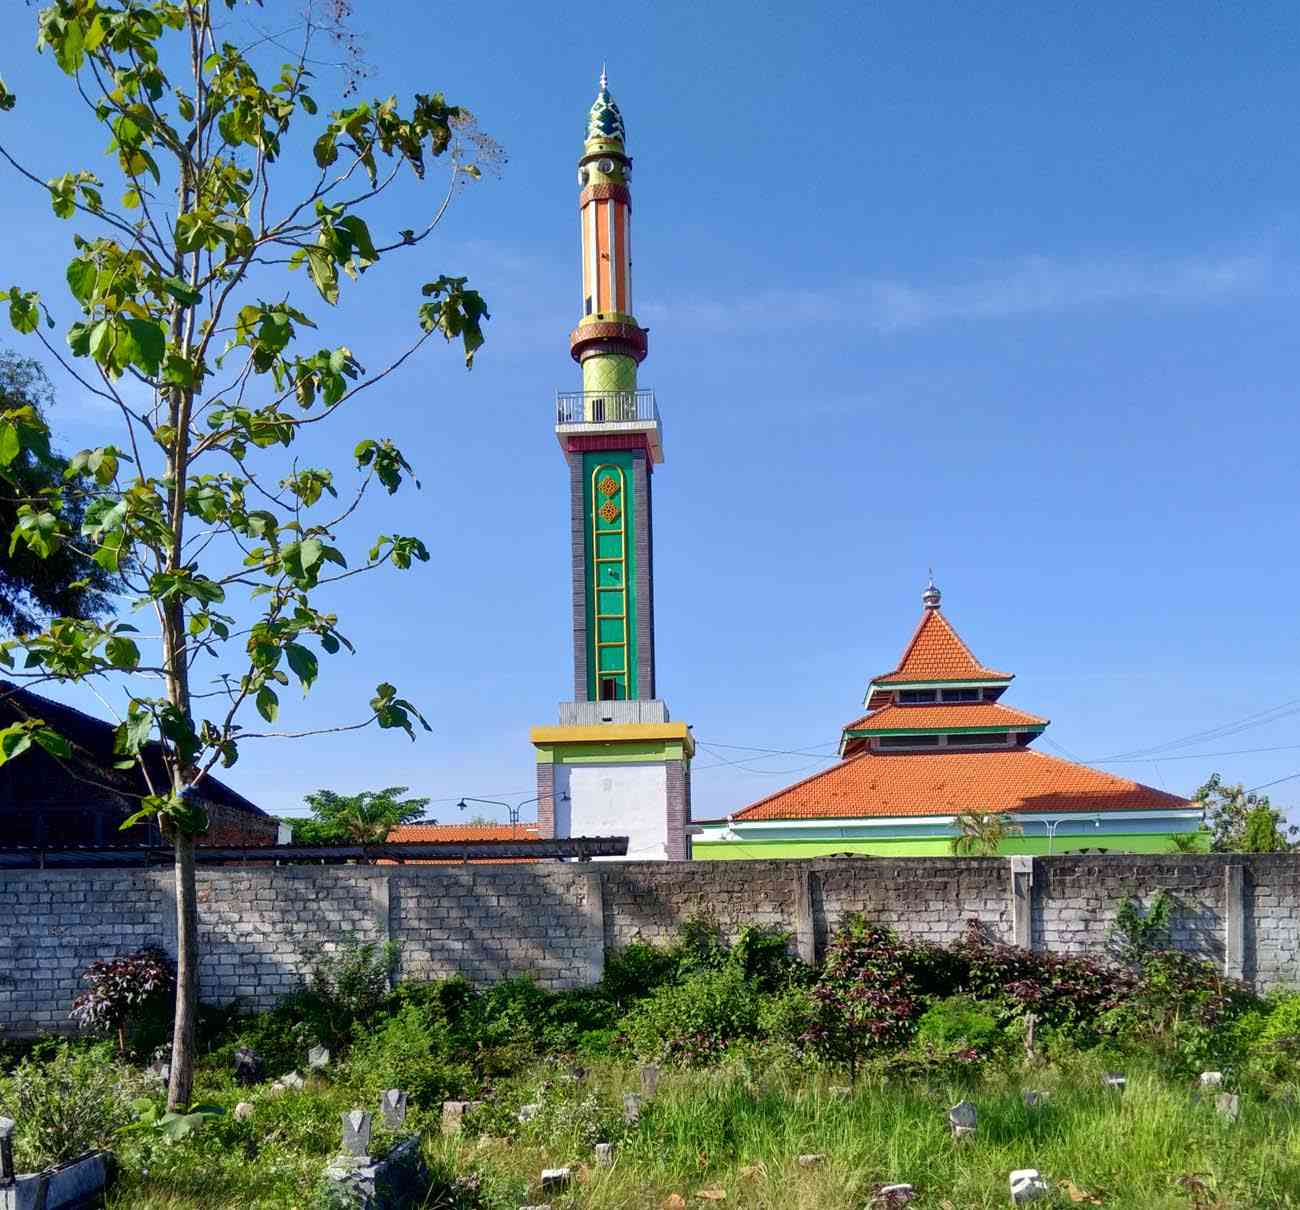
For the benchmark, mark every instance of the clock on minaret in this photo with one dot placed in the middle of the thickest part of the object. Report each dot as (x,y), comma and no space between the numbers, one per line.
(616,764)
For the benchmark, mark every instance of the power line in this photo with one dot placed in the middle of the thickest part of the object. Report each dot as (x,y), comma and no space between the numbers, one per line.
(1275,782)
(1142,760)
(1248,722)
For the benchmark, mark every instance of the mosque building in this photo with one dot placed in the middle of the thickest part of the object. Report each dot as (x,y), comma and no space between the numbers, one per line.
(936,741)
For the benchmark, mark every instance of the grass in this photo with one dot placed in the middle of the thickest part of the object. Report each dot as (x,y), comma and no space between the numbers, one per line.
(741,1128)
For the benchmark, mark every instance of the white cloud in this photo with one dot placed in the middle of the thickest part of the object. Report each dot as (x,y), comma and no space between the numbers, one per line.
(1029,286)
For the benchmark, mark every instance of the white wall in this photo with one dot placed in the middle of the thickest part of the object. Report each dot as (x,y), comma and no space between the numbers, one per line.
(615,800)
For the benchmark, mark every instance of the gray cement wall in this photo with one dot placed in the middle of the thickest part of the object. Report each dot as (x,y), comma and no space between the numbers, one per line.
(262,926)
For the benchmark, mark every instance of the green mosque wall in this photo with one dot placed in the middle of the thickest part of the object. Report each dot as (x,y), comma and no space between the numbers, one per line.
(739,850)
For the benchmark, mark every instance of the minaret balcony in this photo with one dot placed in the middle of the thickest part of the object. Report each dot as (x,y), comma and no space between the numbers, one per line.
(592,413)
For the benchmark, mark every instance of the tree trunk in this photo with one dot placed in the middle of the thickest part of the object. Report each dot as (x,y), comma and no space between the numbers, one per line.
(181,1084)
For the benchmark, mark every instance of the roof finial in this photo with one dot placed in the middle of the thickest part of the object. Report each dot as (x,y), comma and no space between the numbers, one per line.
(931,596)
(604,83)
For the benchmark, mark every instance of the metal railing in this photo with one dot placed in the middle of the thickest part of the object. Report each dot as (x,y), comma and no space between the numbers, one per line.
(604,407)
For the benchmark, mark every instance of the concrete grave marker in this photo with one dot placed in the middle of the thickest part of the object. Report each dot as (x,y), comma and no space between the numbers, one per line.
(556,1180)
(318,1057)
(1211,1079)
(812,1160)
(528,1112)
(1228,1106)
(7,1126)
(248,1067)
(962,1118)
(392,1105)
(649,1081)
(1035,1098)
(243,1111)
(1027,1186)
(605,1155)
(453,1113)
(357,1125)
(889,1197)
(1113,1081)
(631,1108)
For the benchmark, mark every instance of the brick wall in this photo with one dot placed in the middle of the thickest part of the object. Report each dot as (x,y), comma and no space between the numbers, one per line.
(261,925)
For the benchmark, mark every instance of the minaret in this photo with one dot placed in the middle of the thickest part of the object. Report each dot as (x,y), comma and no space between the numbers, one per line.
(616,764)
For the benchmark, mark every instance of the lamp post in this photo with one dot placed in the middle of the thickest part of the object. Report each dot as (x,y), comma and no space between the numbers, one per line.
(1052,824)
(511,811)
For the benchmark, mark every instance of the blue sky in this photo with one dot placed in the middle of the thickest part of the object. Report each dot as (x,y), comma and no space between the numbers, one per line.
(1011,293)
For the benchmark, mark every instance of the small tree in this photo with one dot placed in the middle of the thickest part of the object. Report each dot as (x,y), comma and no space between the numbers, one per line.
(364,818)
(1242,821)
(193,277)
(120,989)
(980,833)
(67,583)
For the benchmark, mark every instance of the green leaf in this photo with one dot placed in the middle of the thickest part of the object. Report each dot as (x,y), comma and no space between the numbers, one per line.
(131,736)
(182,292)
(268,705)
(149,343)
(82,275)
(323,272)
(7,99)
(122,652)
(309,553)
(303,662)
(52,742)
(14,741)
(10,443)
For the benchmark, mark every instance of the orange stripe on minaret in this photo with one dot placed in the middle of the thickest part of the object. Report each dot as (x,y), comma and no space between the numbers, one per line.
(621,304)
(602,254)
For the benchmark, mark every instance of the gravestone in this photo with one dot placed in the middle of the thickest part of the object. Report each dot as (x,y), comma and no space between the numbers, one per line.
(812,1160)
(318,1057)
(453,1114)
(248,1067)
(243,1111)
(649,1081)
(631,1108)
(962,1119)
(1035,1098)
(528,1112)
(1113,1081)
(1027,1186)
(357,1125)
(7,1126)
(605,1155)
(392,1105)
(556,1180)
(892,1196)
(293,1080)
(1211,1079)
(1228,1106)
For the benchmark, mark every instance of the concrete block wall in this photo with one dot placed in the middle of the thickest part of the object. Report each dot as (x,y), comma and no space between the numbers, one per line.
(261,926)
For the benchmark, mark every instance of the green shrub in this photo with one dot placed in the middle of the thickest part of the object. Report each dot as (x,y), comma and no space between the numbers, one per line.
(957,1021)
(692,1022)
(347,988)
(408,1051)
(1272,1039)
(636,970)
(66,1101)
(785,1016)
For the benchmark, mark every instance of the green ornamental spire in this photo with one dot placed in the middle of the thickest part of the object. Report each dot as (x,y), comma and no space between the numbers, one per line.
(605,121)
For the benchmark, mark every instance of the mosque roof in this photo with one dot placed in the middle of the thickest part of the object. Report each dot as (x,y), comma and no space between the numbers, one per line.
(936,653)
(944,717)
(605,121)
(903,784)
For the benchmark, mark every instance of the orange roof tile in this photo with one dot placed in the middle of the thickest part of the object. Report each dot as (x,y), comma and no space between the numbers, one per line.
(936,653)
(946,717)
(874,785)
(432,833)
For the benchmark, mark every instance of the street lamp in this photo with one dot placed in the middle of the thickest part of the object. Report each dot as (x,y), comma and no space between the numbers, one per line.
(511,811)
(1052,824)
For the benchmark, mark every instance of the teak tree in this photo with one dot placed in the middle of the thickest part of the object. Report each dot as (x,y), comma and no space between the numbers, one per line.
(183,279)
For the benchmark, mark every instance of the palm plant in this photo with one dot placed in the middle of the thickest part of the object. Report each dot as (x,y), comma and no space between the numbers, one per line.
(980,833)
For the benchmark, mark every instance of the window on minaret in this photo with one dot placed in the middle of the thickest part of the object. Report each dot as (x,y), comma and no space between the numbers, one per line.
(608,689)
(588,301)
(915,697)
(961,695)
